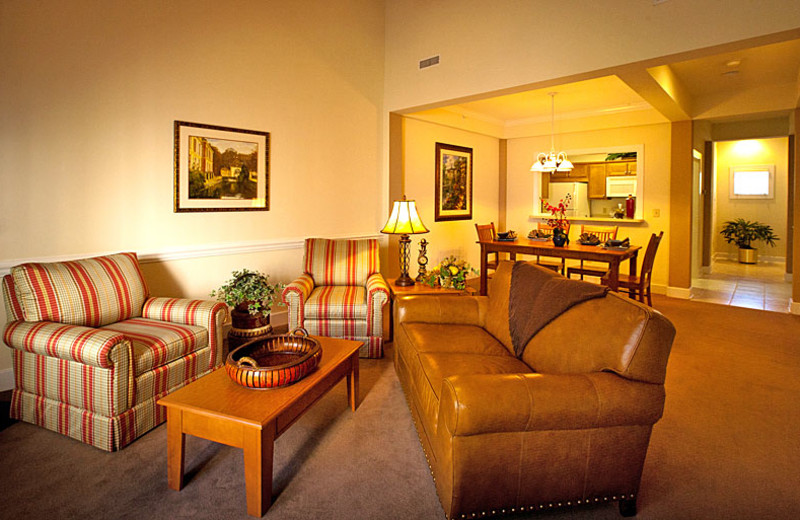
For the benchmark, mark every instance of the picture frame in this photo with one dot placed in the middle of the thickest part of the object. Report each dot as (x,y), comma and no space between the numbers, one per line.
(453,182)
(218,168)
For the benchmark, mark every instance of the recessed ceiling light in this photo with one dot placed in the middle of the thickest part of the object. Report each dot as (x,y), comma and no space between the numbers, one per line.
(733,63)
(730,73)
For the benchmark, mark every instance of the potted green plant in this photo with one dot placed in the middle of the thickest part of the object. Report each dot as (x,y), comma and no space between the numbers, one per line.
(743,232)
(251,296)
(451,273)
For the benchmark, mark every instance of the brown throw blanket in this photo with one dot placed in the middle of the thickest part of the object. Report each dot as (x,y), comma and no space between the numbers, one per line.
(537,296)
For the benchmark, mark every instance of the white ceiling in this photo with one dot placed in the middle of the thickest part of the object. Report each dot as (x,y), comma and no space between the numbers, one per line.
(766,80)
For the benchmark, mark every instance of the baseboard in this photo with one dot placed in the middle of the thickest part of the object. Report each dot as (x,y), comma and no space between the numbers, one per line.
(6,379)
(682,293)
(734,257)
(794,307)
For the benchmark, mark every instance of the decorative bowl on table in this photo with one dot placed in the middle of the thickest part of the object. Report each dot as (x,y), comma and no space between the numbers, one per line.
(540,235)
(275,361)
(618,244)
(589,239)
(507,236)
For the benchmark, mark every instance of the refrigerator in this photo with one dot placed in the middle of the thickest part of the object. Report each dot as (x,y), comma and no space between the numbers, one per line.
(579,207)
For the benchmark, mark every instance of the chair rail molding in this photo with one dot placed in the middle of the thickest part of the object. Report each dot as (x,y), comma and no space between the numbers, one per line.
(191,252)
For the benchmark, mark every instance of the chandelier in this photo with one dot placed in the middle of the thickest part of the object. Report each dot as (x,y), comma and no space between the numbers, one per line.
(552,162)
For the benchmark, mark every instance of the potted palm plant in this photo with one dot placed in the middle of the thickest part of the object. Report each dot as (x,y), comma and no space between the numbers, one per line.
(251,296)
(743,232)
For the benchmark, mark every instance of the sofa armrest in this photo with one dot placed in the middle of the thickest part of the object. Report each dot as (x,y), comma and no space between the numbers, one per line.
(476,404)
(208,314)
(454,309)
(83,345)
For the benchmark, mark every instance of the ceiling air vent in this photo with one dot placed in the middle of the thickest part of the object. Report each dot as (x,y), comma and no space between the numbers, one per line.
(430,62)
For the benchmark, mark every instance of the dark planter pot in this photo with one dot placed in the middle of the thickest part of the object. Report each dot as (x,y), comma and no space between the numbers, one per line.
(242,319)
(560,240)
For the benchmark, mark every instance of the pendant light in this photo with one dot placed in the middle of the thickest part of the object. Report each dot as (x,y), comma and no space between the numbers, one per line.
(552,162)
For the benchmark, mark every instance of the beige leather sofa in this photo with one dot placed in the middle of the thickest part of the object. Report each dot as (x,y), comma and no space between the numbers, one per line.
(566,424)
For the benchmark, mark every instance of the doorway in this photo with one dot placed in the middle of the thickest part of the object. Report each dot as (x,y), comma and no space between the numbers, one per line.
(720,277)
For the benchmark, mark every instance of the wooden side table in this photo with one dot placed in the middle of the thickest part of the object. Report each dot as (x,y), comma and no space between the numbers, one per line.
(419,289)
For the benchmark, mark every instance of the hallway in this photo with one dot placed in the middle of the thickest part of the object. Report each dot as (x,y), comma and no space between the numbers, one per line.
(760,286)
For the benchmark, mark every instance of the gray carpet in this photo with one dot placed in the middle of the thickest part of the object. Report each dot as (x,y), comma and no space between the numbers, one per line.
(727,447)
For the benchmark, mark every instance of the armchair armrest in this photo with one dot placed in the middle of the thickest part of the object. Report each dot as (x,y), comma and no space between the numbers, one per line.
(83,345)
(377,290)
(475,404)
(299,290)
(202,313)
(463,310)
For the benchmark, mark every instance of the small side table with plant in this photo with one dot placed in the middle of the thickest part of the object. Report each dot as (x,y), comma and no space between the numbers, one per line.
(251,297)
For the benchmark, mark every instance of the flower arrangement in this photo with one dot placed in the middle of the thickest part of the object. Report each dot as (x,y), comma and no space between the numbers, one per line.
(558,220)
(451,272)
(249,291)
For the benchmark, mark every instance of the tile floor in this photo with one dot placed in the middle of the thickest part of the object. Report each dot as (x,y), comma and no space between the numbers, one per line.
(760,286)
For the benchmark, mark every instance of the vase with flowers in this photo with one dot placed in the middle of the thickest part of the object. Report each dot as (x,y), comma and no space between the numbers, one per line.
(558,220)
(451,273)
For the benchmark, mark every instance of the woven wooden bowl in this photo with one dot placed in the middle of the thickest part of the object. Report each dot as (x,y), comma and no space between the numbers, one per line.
(275,361)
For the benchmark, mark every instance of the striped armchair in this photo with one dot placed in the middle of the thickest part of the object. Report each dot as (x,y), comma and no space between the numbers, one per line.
(92,352)
(341,292)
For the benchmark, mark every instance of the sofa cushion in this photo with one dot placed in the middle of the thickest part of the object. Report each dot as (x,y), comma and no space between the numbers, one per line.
(336,302)
(613,334)
(439,366)
(157,343)
(341,262)
(90,292)
(470,339)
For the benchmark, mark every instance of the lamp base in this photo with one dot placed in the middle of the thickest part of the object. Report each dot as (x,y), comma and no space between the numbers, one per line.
(404,281)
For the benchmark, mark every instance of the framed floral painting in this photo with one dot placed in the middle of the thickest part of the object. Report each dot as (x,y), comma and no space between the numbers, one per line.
(453,182)
(220,169)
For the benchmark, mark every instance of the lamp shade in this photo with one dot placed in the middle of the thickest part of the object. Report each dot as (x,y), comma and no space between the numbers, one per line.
(404,219)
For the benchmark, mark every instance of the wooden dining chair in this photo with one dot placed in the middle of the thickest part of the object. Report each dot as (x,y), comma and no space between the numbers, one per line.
(598,269)
(638,287)
(486,233)
(557,266)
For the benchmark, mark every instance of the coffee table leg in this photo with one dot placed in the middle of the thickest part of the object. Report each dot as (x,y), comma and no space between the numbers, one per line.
(176,443)
(258,448)
(352,382)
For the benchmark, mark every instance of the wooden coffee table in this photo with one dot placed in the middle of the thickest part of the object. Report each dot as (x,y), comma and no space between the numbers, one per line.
(216,408)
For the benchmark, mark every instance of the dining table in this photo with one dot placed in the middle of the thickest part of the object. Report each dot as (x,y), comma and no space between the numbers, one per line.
(613,256)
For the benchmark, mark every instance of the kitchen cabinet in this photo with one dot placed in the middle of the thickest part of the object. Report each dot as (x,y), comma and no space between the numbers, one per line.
(621,168)
(597,180)
(578,174)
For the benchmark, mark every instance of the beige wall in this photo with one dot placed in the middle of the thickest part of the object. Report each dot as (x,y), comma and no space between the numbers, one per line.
(90,90)
(455,237)
(771,211)
(655,178)
(487,47)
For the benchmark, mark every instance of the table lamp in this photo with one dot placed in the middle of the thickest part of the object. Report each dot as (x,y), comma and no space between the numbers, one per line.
(404,221)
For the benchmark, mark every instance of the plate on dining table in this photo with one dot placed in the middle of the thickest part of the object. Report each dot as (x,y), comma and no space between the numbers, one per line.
(617,248)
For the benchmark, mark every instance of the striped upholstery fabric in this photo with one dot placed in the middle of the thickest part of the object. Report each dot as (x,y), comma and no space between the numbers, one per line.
(84,416)
(12,304)
(92,292)
(341,262)
(341,293)
(156,343)
(337,302)
(210,315)
(100,385)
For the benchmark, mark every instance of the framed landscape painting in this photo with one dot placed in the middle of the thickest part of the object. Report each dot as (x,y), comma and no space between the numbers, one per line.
(220,169)
(453,182)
